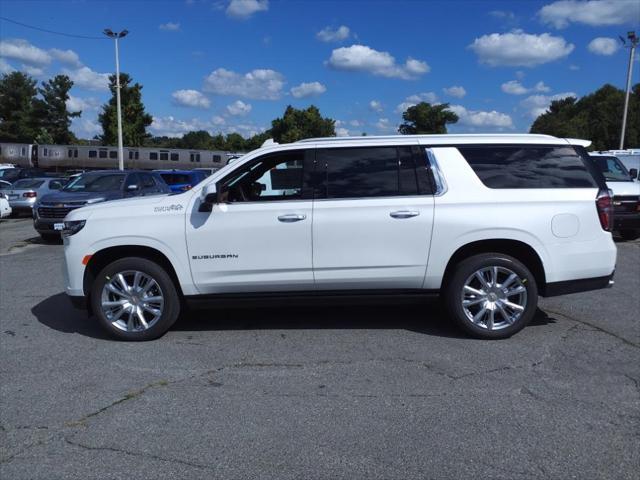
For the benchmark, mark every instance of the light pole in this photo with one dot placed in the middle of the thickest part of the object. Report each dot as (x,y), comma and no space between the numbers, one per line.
(633,40)
(116,36)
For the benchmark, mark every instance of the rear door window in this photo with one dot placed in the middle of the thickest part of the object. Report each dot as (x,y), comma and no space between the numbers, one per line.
(527,166)
(28,183)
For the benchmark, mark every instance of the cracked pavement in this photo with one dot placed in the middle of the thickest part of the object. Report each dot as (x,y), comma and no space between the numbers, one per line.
(369,391)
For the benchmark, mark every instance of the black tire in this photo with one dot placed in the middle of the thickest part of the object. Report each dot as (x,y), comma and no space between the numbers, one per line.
(170,310)
(453,293)
(630,234)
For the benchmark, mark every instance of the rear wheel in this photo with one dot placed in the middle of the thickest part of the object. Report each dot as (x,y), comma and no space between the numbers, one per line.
(491,295)
(135,299)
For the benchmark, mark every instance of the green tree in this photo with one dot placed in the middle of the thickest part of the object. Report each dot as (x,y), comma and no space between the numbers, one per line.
(427,118)
(134,118)
(51,111)
(596,117)
(234,142)
(17,94)
(298,124)
(199,140)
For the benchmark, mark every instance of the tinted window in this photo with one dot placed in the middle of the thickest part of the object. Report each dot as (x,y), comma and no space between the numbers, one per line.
(133,179)
(528,166)
(612,169)
(217,158)
(153,155)
(147,180)
(164,155)
(175,157)
(175,178)
(92,154)
(102,154)
(113,154)
(27,183)
(95,182)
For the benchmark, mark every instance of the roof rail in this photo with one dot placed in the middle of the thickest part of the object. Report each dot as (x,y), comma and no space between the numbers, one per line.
(425,136)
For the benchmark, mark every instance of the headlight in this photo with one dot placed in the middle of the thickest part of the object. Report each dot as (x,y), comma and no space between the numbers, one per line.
(95,200)
(72,227)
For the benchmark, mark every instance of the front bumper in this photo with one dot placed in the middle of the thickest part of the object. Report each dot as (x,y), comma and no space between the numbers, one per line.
(45,225)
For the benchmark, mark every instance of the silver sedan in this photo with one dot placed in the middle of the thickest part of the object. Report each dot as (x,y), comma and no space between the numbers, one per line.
(24,193)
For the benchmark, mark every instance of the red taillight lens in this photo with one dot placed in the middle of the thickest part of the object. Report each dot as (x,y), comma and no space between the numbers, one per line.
(604,204)
(29,194)
(185,188)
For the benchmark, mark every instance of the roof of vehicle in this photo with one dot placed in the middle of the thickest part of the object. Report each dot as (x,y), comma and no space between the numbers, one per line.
(176,171)
(449,139)
(114,171)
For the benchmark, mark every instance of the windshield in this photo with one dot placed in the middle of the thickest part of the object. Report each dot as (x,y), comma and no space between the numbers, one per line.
(175,178)
(9,174)
(95,182)
(27,183)
(612,169)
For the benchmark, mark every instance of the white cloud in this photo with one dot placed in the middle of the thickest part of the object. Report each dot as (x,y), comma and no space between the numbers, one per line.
(308,90)
(5,67)
(356,123)
(243,9)
(31,70)
(239,108)
(218,120)
(574,68)
(455,91)
(520,49)
(261,84)
(66,56)
(384,125)
(375,106)
(172,127)
(84,127)
(86,78)
(75,104)
(18,49)
(190,98)
(536,105)
(327,34)
(169,26)
(342,132)
(504,15)
(593,12)
(479,118)
(603,46)
(410,101)
(360,58)
(514,87)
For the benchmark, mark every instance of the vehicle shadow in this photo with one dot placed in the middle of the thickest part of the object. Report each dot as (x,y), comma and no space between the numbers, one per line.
(425,317)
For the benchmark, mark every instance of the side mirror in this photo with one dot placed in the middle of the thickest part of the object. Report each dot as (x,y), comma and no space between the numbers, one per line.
(208,197)
(132,188)
(633,173)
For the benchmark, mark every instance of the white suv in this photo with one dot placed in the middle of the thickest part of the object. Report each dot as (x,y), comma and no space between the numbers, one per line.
(487,221)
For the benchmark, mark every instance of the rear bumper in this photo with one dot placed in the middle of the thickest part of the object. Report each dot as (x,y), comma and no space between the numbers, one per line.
(555,289)
(626,221)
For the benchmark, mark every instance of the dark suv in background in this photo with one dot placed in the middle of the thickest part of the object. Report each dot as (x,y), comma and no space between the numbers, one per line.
(90,188)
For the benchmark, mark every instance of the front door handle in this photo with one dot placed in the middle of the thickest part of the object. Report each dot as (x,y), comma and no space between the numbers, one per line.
(292,217)
(404,214)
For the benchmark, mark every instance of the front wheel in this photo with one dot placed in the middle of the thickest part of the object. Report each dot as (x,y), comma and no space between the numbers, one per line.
(135,299)
(491,295)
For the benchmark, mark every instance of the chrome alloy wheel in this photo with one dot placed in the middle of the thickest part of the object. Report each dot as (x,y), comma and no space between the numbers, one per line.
(494,298)
(132,301)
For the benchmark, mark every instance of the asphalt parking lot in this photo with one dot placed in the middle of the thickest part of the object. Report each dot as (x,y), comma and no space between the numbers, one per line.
(382,391)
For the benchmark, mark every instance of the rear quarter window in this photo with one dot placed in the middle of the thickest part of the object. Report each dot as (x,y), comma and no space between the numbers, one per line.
(529,166)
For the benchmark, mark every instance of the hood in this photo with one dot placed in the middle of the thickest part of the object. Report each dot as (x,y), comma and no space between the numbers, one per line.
(66,197)
(125,205)
(624,188)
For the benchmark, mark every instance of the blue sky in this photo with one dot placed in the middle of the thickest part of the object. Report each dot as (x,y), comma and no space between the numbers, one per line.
(229,66)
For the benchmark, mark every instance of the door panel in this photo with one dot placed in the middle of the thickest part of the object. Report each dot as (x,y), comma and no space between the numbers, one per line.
(358,244)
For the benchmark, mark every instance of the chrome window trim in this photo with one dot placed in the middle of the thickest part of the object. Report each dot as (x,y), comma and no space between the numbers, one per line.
(441,184)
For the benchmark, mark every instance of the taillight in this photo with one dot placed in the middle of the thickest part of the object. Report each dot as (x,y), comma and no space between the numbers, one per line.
(29,194)
(604,204)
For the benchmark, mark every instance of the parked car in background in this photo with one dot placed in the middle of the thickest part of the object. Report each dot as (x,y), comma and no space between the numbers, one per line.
(4,185)
(626,194)
(181,180)
(13,174)
(5,208)
(90,188)
(630,158)
(207,171)
(24,193)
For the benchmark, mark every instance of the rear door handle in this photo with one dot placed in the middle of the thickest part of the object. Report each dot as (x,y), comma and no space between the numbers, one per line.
(404,214)
(292,217)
